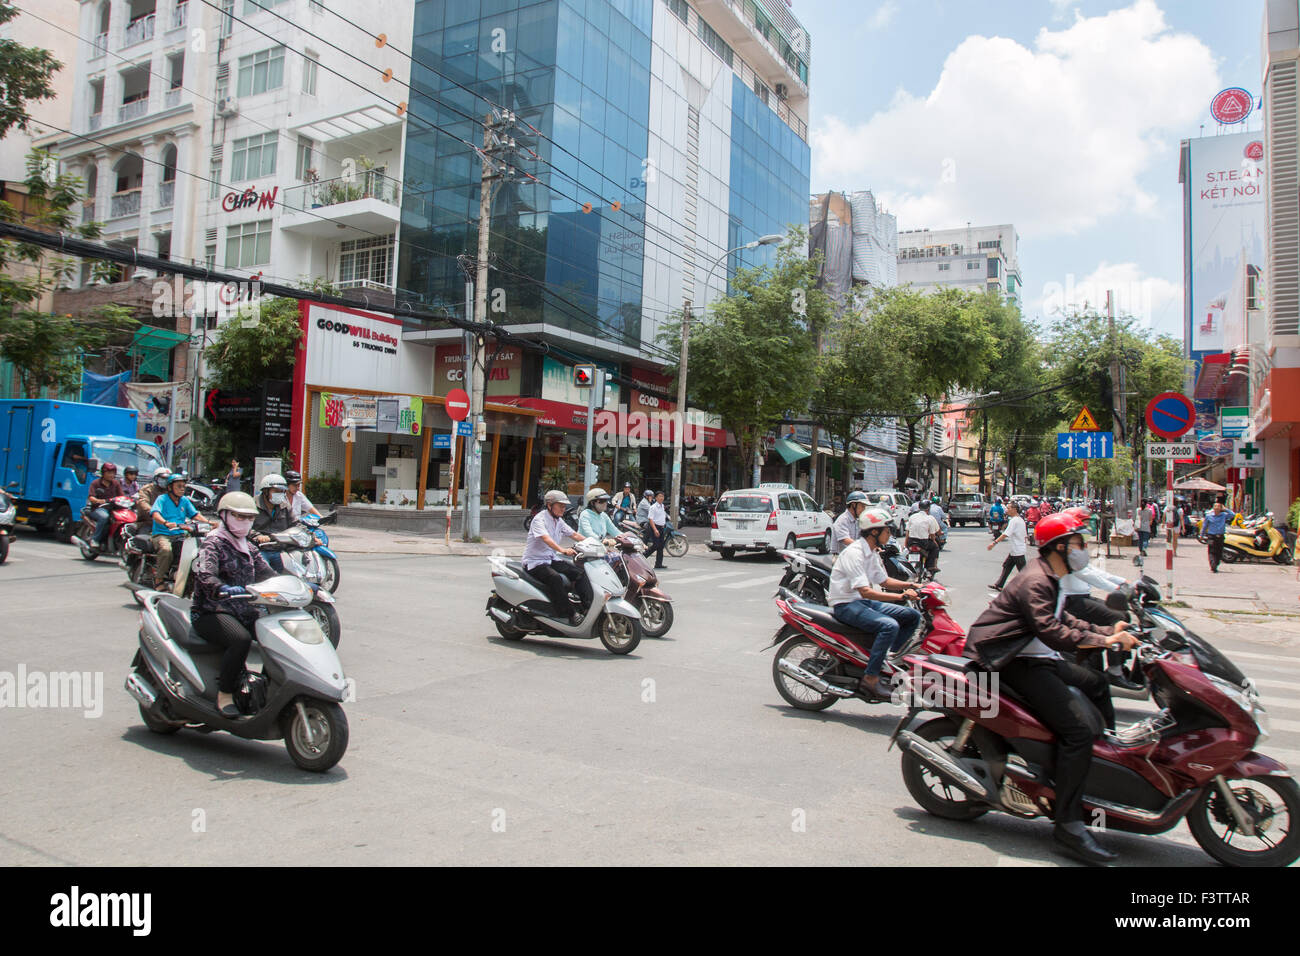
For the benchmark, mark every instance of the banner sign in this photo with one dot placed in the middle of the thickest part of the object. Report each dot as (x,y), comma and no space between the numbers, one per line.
(392,414)
(277,417)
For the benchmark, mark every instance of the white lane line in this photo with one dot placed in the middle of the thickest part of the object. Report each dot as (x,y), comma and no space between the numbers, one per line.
(702,578)
(1278,657)
(1289,725)
(764,582)
(1277,684)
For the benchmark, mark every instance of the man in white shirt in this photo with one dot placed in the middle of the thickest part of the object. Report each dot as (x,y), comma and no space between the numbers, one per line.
(544,534)
(859,597)
(923,531)
(1015,533)
(845,530)
(299,504)
(658,517)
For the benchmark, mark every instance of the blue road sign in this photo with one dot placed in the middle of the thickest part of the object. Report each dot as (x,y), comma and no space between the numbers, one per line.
(465,428)
(441,441)
(1085,445)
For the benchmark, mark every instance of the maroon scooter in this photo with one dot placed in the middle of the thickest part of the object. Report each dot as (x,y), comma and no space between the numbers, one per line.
(643,591)
(1194,759)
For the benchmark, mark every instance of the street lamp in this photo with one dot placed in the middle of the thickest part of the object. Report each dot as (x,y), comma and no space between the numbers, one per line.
(678,438)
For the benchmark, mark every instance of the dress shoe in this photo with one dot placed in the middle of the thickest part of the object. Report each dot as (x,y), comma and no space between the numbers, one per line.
(1119,680)
(1074,839)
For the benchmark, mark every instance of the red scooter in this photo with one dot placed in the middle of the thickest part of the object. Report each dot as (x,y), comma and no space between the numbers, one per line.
(1193,759)
(122,517)
(822,660)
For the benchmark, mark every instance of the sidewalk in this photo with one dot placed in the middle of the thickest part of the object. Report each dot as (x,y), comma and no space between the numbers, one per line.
(1259,602)
(367,541)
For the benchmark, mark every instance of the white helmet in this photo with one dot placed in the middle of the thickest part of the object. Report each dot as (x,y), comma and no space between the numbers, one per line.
(596,494)
(273,481)
(555,496)
(874,518)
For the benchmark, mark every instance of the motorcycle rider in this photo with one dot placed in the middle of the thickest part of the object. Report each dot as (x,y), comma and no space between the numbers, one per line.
(643,508)
(226,563)
(150,492)
(170,512)
(1076,597)
(102,490)
(923,532)
(299,504)
(997,515)
(845,530)
(595,522)
(626,502)
(1021,637)
(273,515)
(130,482)
(547,527)
(864,596)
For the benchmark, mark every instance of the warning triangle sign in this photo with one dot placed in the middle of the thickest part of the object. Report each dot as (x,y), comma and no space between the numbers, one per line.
(1084,422)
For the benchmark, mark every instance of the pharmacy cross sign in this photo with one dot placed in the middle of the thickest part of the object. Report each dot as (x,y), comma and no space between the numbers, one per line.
(1249,451)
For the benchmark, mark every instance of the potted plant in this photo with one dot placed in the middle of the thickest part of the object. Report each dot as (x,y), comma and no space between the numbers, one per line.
(556,478)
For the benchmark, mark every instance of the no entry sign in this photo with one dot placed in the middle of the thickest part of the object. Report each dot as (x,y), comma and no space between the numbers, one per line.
(1170,415)
(457,405)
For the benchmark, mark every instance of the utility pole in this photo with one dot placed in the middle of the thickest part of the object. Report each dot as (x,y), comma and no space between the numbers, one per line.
(1119,401)
(679,429)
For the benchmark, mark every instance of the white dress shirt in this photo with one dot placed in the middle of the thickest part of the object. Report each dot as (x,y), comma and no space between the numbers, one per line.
(1016,534)
(537,551)
(921,525)
(658,515)
(856,567)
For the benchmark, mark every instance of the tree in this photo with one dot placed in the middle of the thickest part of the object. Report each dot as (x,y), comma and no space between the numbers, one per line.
(24,75)
(753,357)
(259,344)
(48,351)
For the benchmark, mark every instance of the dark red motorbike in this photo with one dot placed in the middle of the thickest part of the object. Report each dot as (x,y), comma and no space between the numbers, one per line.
(1194,759)
(122,518)
(822,660)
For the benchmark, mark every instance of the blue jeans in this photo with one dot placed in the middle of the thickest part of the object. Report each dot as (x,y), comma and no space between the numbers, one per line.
(101,517)
(890,624)
(1143,538)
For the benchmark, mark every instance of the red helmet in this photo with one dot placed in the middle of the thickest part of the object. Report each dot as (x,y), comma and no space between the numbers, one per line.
(1083,513)
(1054,526)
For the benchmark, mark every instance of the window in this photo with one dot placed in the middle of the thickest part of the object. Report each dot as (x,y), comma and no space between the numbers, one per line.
(304,158)
(366,259)
(309,74)
(945,266)
(210,255)
(993,272)
(254,156)
(248,245)
(808,503)
(257,6)
(214,173)
(678,7)
(227,18)
(990,244)
(261,72)
(223,81)
(714,42)
(972,264)
(761,90)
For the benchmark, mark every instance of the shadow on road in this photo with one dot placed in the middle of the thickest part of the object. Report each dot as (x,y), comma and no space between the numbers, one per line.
(222,757)
(563,647)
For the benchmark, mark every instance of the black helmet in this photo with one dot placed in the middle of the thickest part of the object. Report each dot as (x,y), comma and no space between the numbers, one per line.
(293,477)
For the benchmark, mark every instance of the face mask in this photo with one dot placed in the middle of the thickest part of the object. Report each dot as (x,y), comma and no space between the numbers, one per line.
(238,525)
(600,505)
(277,498)
(1077,558)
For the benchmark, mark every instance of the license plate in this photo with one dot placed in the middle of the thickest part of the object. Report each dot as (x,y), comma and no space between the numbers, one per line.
(742,524)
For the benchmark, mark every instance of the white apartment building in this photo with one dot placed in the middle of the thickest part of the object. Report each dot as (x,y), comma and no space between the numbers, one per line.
(976,258)
(222,137)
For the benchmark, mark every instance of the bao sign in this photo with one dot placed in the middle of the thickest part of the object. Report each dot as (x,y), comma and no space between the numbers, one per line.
(1170,415)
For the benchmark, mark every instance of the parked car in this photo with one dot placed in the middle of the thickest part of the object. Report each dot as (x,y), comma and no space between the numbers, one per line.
(897,503)
(966,507)
(766,518)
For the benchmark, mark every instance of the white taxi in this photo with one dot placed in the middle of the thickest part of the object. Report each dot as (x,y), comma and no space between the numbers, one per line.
(766,518)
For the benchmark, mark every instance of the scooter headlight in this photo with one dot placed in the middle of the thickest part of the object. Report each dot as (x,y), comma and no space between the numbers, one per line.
(302,537)
(1247,698)
(305,631)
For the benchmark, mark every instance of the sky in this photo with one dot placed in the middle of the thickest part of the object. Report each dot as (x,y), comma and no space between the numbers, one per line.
(1061,118)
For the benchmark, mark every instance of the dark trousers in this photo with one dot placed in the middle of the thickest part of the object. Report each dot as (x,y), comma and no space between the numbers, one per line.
(1045,684)
(1143,538)
(1016,561)
(1214,548)
(929,547)
(558,578)
(1088,608)
(655,545)
(228,631)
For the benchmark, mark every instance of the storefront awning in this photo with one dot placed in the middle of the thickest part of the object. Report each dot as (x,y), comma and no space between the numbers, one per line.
(791,451)
(835,453)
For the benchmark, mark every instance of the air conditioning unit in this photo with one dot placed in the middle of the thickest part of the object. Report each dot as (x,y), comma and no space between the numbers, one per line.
(782,90)
(227,106)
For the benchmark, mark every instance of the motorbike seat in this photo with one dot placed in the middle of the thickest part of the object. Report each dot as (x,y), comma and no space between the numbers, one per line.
(817,561)
(824,618)
(175,614)
(144,542)
(518,568)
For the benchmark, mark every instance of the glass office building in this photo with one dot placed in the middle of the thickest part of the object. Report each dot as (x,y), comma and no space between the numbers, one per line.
(651,140)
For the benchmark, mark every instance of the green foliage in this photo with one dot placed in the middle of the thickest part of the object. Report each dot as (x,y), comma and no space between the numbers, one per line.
(324,489)
(1102,472)
(25,74)
(1053,484)
(214,445)
(255,347)
(556,478)
(48,350)
(1293,515)
(753,358)
(632,475)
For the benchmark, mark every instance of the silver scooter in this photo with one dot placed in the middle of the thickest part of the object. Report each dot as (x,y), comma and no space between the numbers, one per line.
(296,696)
(519,605)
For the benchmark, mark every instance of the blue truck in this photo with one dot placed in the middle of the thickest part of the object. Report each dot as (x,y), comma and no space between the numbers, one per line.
(50,452)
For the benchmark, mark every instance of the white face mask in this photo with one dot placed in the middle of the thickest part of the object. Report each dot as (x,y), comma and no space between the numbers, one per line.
(277,497)
(1077,558)
(238,525)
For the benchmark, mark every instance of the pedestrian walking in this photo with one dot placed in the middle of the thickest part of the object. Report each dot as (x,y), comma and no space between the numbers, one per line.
(1174,524)
(1145,522)
(1213,531)
(1015,535)
(658,517)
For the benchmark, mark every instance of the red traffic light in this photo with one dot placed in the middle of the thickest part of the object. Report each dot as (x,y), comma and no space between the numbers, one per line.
(584,376)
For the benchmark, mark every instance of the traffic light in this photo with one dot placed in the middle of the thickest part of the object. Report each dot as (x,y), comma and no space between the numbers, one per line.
(584,376)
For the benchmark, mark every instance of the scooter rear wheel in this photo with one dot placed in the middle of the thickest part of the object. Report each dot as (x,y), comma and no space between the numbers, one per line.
(1215,829)
(935,794)
(800,650)
(157,725)
(677,546)
(318,743)
(1230,555)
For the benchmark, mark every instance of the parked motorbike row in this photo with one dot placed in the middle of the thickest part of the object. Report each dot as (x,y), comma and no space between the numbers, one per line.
(1254,538)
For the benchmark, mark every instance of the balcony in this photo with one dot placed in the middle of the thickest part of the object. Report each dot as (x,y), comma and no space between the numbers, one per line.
(368,201)
(134,109)
(96,120)
(99,47)
(138,31)
(179,16)
(125,204)
(166,194)
(172,98)
(88,209)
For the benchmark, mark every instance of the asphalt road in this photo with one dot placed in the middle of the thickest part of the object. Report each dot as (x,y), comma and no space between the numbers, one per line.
(466,748)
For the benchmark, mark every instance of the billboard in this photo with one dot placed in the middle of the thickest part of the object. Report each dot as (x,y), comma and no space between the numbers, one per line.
(1226,227)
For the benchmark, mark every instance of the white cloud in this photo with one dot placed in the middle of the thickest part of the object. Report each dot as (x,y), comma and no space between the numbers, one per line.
(1152,300)
(1053,138)
(883,16)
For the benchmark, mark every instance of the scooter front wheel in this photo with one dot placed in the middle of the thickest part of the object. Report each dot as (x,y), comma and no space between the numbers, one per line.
(1230,555)
(332,575)
(328,619)
(619,633)
(656,617)
(1271,805)
(677,546)
(1282,557)
(315,734)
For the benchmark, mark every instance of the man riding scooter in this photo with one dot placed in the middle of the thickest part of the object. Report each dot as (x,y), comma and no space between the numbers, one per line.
(170,512)
(102,490)
(274,514)
(1022,636)
(845,529)
(544,534)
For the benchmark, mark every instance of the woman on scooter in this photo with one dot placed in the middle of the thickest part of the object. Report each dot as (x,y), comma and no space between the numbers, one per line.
(226,563)
(594,522)
(1020,636)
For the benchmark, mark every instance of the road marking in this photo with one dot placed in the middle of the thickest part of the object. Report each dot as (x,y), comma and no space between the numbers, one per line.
(701,578)
(1291,725)
(755,583)
(1278,684)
